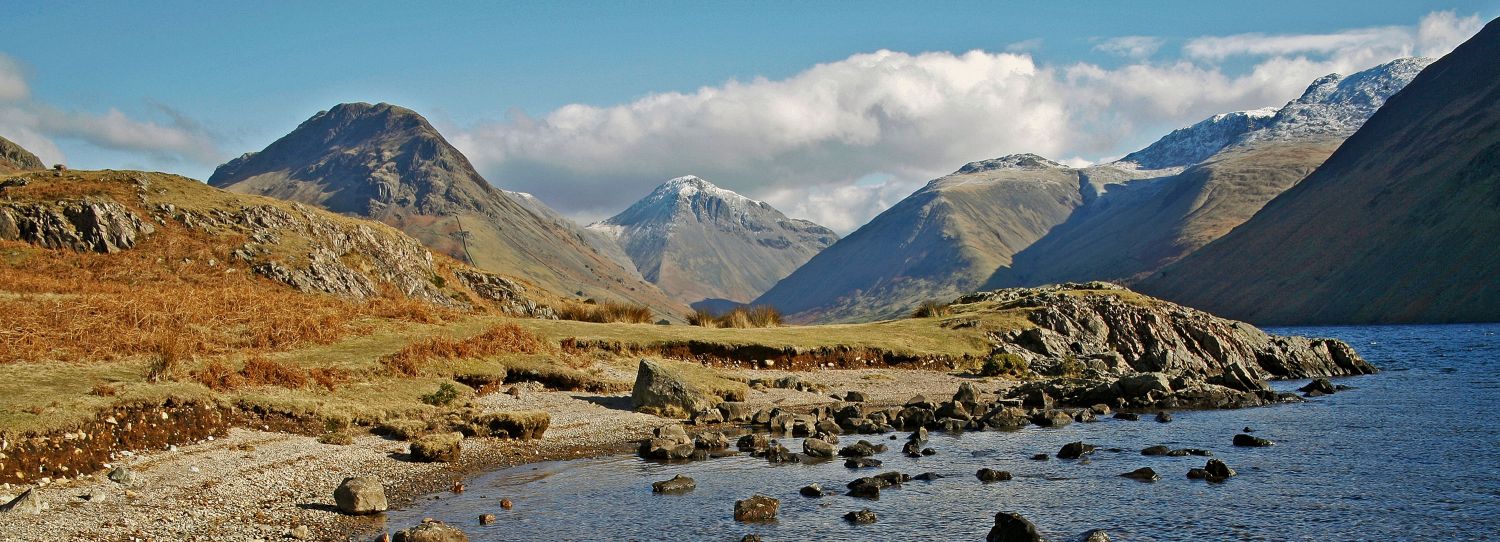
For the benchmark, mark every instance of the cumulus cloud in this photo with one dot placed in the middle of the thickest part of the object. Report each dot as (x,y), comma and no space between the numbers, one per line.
(802,142)
(1130,46)
(36,126)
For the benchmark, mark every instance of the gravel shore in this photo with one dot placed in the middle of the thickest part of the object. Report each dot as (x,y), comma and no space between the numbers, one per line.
(259,485)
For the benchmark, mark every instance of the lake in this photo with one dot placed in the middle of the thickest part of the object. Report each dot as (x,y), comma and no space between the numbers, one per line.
(1409,454)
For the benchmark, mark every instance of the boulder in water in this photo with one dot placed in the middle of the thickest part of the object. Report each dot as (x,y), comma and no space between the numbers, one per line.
(1251,441)
(756,508)
(677,484)
(1011,527)
(861,517)
(992,475)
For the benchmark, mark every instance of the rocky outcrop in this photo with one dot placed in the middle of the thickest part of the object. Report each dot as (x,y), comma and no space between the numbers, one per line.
(1117,330)
(360,495)
(507,294)
(1102,344)
(85,225)
(14,157)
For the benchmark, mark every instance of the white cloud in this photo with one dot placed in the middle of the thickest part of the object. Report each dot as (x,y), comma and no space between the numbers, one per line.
(1435,35)
(36,126)
(800,143)
(1136,47)
(12,82)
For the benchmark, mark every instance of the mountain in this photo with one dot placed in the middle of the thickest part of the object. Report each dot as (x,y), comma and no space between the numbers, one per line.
(388,163)
(1141,227)
(14,158)
(699,242)
(940,242)
(1023,220)
(1396,226)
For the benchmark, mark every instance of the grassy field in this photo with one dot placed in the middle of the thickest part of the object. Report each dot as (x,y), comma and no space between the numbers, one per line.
(176,317)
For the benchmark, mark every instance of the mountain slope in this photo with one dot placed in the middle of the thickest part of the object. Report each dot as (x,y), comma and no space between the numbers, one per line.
(598,241)
(1137,229)
(14,158)
(388,163)
(938,243)
(1396,226)
(699,242)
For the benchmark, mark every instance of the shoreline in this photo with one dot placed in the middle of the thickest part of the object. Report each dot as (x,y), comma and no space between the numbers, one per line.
(261,485)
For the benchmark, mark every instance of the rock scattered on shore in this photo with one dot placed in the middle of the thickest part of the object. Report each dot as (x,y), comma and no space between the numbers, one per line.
(360,495)
(431,531)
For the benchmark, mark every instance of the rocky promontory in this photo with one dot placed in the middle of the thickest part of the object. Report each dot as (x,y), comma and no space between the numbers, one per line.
(1098,343)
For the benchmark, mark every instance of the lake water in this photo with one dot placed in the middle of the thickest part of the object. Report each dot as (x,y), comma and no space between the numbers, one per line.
(1411,454)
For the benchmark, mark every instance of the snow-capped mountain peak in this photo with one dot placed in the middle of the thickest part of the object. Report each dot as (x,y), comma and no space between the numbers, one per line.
(1333,105)
(1011,161)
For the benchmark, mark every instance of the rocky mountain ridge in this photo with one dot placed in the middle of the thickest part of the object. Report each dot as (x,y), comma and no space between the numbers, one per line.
(388,163)
(1332,106)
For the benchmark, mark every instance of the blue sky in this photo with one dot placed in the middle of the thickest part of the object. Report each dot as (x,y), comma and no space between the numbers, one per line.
(551,97)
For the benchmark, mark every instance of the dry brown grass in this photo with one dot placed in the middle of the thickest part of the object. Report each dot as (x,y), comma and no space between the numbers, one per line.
(931,309)
(260,371)
(738,318)
(501,339)
(608,312)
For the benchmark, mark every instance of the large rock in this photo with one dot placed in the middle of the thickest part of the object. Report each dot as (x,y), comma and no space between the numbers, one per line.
(1011,527)
(818,448)
(25,503)
(439,447)
(756,508)
(671,391)
(360,495)
(1075,450)
(430,531)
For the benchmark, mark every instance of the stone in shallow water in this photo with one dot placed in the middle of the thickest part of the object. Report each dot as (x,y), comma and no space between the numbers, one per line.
(1251,441)
(678,484)
(360,495)
(1144,474)
(756,508)
(861,517)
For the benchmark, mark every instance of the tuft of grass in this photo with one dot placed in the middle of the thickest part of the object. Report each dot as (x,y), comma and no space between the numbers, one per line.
(260,371)
(703,318)
(1004,364)
(931,309)
(218,376)
(607,312)
(758,316)
(445,395)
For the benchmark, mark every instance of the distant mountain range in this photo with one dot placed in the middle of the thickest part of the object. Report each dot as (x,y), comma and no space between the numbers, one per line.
(388,163)
(1024,220)
(1398,225)
(701,243)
